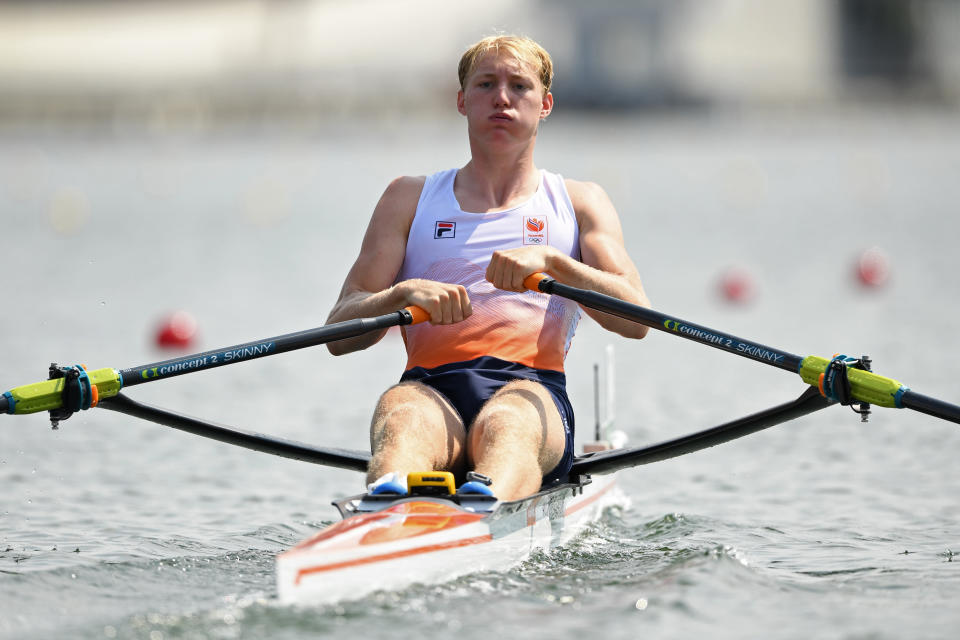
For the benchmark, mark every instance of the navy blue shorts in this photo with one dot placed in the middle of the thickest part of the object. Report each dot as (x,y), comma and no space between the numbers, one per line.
(467,385)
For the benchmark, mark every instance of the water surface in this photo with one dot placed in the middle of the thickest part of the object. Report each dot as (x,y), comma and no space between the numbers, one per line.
(824,527)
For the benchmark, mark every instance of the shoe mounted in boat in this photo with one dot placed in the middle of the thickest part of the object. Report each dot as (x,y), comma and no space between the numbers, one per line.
(474,488)
(477,484)
(389,484)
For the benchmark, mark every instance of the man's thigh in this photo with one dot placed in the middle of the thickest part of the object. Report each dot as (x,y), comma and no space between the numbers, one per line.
(522,413)
(412,414)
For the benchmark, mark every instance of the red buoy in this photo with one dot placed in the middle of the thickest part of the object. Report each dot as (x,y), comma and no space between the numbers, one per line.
(176,331)
(873,268)
(737,285)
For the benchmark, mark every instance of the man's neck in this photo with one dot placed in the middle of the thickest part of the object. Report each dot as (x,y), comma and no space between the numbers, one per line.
(496,182)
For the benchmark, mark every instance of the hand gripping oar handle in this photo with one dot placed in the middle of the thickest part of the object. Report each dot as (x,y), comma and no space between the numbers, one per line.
(106,383)
(865,386)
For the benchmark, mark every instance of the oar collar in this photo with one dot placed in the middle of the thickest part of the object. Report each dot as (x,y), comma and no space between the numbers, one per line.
(78,393)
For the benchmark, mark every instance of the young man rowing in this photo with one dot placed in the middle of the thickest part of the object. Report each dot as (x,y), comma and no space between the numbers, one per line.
(484,387)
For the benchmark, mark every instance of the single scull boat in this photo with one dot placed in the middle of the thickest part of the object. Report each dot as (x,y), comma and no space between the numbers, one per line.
(431,539)
(434,535)
(382,544)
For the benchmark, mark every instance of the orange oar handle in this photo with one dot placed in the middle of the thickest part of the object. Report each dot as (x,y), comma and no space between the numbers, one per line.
(532,281)
(418,314)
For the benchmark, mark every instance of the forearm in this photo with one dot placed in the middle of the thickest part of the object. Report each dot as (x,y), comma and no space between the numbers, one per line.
(625,286)
(444,303)
(362,304)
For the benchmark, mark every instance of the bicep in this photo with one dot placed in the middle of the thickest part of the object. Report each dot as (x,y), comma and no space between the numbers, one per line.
(385,240)
(601,236)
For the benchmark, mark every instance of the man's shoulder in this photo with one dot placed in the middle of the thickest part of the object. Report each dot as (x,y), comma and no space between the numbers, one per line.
(582,187)
(406,186)
(585,195)
(401,197)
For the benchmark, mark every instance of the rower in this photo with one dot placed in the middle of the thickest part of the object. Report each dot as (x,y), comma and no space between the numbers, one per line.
(484,387)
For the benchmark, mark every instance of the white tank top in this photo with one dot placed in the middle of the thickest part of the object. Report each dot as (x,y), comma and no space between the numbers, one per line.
(447,244)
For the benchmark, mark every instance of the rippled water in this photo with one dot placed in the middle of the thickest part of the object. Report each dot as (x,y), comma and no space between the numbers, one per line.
(823,527)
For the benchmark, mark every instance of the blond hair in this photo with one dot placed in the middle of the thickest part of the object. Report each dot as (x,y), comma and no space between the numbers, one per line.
(521,47)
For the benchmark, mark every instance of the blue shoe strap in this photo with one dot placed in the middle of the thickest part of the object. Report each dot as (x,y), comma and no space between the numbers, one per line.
(389,487)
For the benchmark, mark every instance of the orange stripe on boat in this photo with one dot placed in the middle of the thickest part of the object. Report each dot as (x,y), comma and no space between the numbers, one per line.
(418,525)
(453,544)
(588,501)
(424,517)
(340,527)
(532,511)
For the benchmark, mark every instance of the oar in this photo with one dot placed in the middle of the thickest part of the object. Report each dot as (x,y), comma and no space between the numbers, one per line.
(327,456)
(612,460)
(864,386)
(79,389)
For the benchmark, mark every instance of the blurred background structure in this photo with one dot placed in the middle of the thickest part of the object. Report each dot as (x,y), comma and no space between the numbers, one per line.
(201,62)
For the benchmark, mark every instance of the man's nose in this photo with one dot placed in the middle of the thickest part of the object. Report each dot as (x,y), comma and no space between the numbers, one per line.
(501,95)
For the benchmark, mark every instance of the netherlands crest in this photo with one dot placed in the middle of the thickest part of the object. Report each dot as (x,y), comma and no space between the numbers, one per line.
(535,230)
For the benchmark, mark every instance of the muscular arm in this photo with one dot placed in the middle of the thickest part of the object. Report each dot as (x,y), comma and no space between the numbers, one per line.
(605,265)
(369,288)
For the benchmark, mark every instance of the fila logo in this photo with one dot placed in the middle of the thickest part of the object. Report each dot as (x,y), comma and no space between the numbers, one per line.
(534,230)
(444,230)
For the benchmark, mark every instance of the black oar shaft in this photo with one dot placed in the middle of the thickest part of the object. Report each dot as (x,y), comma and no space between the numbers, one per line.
(864,385)
(931,406)
(674,326)
(81,389)
(261,348)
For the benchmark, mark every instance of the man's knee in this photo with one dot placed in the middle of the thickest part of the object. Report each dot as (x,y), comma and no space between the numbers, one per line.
(521,416)
(410,395)
(524,402)
(411,415)
(520,412)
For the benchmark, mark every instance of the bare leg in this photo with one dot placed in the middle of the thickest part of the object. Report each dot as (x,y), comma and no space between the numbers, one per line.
(414,428)
(517,438)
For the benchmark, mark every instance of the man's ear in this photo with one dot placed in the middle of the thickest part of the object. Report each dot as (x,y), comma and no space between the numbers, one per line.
(546,107)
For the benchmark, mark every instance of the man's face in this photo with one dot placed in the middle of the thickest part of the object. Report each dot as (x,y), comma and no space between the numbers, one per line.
(503,98)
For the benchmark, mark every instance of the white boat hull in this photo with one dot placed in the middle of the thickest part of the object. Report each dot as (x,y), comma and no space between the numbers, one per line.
(431,540)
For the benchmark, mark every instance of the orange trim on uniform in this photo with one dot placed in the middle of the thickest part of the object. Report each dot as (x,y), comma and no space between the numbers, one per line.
(523,332)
